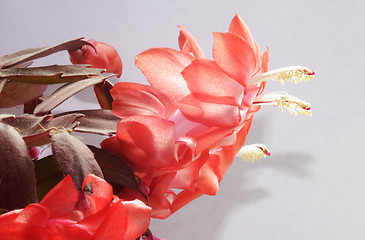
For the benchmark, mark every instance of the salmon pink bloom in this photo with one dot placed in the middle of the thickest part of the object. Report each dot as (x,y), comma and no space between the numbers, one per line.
(101,55)
(66,213)
(182,133)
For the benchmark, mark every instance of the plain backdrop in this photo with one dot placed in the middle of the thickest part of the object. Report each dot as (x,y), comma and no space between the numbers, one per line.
(313,185)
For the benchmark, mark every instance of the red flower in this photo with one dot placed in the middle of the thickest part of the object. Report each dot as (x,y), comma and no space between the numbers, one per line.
(65,213)
(101,56)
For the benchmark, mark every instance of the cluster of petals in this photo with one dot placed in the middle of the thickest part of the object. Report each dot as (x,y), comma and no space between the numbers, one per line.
(66,213)
(182,133)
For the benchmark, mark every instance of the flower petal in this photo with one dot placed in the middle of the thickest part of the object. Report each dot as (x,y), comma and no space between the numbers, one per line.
(162,68)
(188,44)
(210,114)
(147,141)
(62,199)
(208,83)
(138,218)
(235,56)
(239,27)
(137,99)
(184,198)
(114,224)
(29,224)
(102,194)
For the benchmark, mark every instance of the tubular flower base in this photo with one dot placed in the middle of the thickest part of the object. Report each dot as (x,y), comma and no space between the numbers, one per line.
(65,213)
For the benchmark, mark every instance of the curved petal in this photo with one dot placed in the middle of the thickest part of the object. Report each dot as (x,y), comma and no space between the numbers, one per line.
(101,55)
(114,61)
(185,177)
(184,198)
(208,179)
(210,114)
(235,56)
(62,199)
(188,44)
(138,218)
(136,99)
(114,224)
(158,201)
(208,83)
(147,141)
(30,224)
(265,61)
(239,27)
(162,68)
(102,194)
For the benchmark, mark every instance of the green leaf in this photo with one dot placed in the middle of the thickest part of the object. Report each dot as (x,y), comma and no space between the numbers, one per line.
(50,74)
(29,54)
(65,92)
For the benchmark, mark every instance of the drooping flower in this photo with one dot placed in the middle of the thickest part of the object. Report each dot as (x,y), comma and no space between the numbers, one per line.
(101,55)
(66,213)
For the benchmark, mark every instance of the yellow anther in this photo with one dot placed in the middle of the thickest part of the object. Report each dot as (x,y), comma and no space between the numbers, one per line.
(295,75)
(294,105)
(253,152)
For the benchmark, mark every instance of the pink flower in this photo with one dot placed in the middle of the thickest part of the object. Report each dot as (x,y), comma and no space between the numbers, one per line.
(101,56)
(65,213)
(182,133)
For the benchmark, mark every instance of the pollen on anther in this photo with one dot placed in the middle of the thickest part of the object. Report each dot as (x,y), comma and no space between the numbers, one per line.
(295,75)
(253,152)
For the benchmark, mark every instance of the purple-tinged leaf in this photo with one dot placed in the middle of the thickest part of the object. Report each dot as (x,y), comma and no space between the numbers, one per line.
(116,171)
(74,158)
(17,179)
(37,131)
(50,74)
(98,121)
(2,84)
(65,92)
(16,93)
(102,92)
(29,54)
(30,106)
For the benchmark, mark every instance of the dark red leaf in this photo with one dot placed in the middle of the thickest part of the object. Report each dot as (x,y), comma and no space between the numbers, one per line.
(17,179)
(37,131)
(98,121)
(47,175)
(74,158)
(50,74)
(29,54)
(102,92)
(116,171)
(65,92)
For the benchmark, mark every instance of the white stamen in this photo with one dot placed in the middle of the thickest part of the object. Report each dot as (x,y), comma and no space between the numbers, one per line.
(253,152)
(294,74)
(283,100)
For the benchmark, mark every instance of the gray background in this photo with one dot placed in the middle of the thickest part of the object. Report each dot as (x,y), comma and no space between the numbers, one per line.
(312,187)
